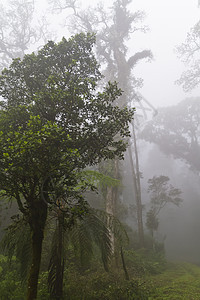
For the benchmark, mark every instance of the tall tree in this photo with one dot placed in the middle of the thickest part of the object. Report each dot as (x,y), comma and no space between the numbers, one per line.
(19,30)
(114,28)
(161,193)
(176,130)
(54,122)
(189,52)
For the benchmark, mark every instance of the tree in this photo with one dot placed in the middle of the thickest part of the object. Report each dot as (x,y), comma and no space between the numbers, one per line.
(176,130)
(19,30)
(189,53)
(89,231)
(114,28)
(152,221)
(161,194)
(85,236)
(54,122)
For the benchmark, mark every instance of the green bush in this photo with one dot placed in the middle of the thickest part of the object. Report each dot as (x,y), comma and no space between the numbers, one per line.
(144,261)
(100,285)
(11,286)
(10,283)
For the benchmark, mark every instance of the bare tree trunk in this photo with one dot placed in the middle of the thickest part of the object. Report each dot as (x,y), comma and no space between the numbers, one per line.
(139,199)
(111,201)
(124,265)
(137,190)
(110,211)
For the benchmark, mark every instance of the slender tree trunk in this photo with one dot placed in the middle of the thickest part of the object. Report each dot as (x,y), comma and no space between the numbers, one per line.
(111,201)
(139,199)
(110,207)
(124,265)
(137,193)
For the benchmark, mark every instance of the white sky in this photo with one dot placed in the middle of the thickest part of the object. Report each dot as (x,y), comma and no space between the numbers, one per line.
(169,22)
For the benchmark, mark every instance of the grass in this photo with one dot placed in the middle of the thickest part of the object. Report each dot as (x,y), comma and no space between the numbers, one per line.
(179,281)
(158,281)
(176,281)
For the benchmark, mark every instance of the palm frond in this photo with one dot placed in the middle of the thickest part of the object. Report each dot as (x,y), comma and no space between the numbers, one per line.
(56,264)
(100,235)
(114,225)
(17,241)
(94,228)
(82,242)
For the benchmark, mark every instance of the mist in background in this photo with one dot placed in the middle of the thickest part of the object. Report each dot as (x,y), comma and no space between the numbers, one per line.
(168,23)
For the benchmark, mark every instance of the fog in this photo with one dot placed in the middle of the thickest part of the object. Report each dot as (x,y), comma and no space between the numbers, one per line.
(178,225)
(168,24)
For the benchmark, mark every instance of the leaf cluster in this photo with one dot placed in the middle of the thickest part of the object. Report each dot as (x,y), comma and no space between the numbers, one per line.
(54,122)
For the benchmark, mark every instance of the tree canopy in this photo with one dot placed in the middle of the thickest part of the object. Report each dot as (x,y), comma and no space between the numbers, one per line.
(189,54)
(161,193)
(20,29)
(55,121)
(176,131)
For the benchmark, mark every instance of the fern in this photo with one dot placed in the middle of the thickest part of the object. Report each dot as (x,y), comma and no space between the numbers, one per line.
(98,179)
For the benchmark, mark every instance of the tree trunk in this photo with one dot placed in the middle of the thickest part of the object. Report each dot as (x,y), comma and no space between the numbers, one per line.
(111,201)
(57,292)
(124,265)
(37,239)
(137,193)
(110,207)
(37,221)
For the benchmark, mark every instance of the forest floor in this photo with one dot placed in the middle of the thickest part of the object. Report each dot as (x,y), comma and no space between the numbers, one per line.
(179,281)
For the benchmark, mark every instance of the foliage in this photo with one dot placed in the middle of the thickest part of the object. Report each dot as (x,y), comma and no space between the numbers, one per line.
(43,292)
(98,179)
(189,54)
(16,242)
(113,27)
(25,164)
(178,281)
(64,91)
(161,193)
(54,122)
(91,230)
(10,281)
(174,281)
(107,286)
(11,286)
(145,261)
(152,221)
(176,131)
(19,29)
